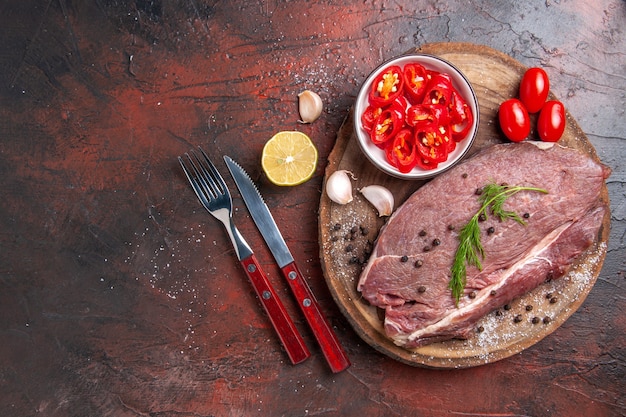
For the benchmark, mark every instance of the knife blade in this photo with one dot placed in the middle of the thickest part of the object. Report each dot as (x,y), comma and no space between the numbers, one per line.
(323,332)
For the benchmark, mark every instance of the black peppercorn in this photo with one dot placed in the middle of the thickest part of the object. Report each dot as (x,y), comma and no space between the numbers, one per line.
(478,191)
(553,300)
(491,230)
(526,215)
(480,329)
(529,308)
(549,295)
(492,292)
(349,248)
(422,233)
(421,289)
(536,320)
(464,175)
(337,226)
(517,318)
(498,313)
(507,307)
(472,295)
(546,320)
(426,248)
(482,217)
(404,258)
(450,227)
(418,263)
(436,242)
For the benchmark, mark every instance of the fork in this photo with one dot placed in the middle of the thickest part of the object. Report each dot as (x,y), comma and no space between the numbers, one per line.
(213,193)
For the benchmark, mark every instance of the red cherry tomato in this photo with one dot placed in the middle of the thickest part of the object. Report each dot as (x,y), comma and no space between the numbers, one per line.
(533,89)
(551,122)
(514,120)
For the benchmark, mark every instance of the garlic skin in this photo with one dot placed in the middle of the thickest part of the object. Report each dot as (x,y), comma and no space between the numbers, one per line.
(310,106)
(380,197)
(339,187)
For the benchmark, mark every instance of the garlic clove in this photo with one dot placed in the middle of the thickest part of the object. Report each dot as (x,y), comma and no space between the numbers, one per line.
(310,106)
(339,187)
(380,197)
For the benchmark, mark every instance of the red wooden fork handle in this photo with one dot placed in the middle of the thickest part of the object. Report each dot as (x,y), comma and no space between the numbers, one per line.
(287,331)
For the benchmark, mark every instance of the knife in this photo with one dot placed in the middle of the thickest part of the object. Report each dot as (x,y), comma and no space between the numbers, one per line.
(326,337)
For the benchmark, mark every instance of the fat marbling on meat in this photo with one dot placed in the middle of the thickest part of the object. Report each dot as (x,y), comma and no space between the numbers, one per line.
(408,272)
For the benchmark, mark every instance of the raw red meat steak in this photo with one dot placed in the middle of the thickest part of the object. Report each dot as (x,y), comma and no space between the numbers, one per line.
(408,272)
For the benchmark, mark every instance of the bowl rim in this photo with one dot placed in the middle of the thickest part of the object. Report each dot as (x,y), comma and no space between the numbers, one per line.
(367,147)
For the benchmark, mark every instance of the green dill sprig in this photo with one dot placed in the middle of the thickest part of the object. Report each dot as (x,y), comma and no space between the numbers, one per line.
(470,250)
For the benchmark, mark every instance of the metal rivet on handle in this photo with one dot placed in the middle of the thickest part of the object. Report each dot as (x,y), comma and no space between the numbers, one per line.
(251,268)
(266,295)
(292,275)
(306,302)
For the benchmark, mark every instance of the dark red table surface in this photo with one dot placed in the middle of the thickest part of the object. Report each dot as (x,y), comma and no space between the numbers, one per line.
(120,296)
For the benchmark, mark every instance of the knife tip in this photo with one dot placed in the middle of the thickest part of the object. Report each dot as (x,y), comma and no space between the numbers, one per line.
(231,163)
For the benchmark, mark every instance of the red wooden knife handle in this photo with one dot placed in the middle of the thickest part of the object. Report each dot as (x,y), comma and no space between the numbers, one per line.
(287,331)
(326,337)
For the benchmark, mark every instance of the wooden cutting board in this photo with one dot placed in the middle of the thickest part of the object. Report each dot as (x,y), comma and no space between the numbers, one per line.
(347,233)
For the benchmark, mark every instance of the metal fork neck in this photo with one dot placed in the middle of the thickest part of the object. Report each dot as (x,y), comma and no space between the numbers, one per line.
(242,248)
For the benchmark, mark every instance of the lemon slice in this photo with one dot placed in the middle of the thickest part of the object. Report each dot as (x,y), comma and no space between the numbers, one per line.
(289,158)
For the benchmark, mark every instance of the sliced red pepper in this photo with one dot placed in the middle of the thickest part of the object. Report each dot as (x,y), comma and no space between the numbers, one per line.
(424,163)
(387,86)
(400,105)
(402,152)
(441,113)
(416,116)
(415,81)
(450,143)
(458,108)
(431,143)
(427,113)
(461,117)
(387,124)
(369,116)
(432,73)
(438,90)
(420,113)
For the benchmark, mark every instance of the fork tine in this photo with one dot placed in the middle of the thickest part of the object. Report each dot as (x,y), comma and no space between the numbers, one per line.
(215,179)
(205,182)
(192,176)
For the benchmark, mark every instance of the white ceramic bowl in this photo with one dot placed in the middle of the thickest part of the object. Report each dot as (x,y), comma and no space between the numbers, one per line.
(377,156)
